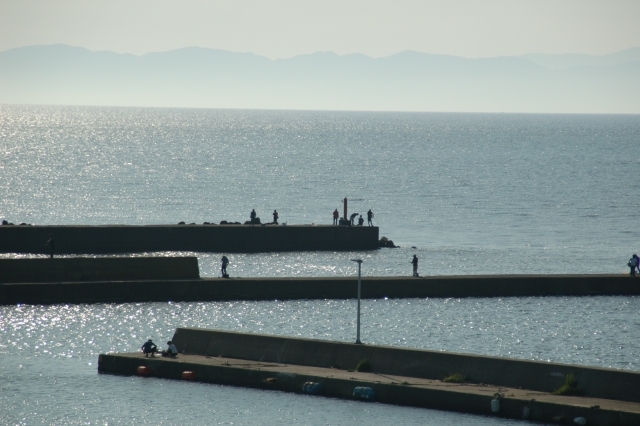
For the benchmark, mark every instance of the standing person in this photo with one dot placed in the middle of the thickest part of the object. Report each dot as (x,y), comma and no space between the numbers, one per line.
(149,348)
(253,215)
(50,244)
(369,217)
(275,217)
(637,262)
(223,269)
(633,264)
(336,215)
(415,265)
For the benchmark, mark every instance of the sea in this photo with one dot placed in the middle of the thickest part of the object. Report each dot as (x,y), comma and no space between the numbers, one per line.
(469,194)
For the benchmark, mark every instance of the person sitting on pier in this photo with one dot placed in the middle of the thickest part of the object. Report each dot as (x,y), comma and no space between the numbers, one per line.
(149,348)
(352,217)
(171,351)
(336,215)
(360,221)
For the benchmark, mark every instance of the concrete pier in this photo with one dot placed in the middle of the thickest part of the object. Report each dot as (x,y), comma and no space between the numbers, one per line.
(86,269)
(153,289)
(398,376)
(113,239)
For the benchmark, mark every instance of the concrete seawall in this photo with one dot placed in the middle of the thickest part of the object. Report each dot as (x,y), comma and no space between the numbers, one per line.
(539,376)
(216,289)
(110,239)
(97,269)
(269,362)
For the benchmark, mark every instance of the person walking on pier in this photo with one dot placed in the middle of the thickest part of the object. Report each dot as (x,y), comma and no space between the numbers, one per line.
(336,215)
(275,217)
(50,244)
(415,265)
(369,217)
(223,269)
(149,348)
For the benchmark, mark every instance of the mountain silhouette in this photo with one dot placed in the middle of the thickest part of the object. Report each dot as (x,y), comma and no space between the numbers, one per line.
(407,81)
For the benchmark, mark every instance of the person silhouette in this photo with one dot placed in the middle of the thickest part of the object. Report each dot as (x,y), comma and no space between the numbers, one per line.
(223,269)
(275,217)
(414,261)
(336,215)
(369,217)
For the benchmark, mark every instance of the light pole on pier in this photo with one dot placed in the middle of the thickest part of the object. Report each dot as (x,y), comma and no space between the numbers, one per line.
(359,285)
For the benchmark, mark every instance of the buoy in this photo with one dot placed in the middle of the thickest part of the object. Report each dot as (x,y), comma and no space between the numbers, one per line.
(364,393)
(312,388)
(143,371)
(188,375)
(495,405)
(526,412)
(580,421)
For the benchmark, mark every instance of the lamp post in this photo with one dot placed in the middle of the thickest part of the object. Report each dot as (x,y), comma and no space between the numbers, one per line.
(358,342)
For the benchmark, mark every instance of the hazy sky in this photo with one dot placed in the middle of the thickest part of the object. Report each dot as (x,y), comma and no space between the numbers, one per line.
(281,29)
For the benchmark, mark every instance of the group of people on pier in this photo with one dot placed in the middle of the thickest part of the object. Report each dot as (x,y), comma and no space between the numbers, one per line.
(336,218)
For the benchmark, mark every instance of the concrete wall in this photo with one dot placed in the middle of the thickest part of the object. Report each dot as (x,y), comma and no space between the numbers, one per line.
(97,269)
(594,382)
(452,397)
(199,238)
(163,290)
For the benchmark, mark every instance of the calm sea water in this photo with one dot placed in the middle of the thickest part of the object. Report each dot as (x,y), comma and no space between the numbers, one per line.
(474,193)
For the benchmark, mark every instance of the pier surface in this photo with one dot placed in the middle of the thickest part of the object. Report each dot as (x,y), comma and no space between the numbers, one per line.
(154,289)
(113,239)
(399,376)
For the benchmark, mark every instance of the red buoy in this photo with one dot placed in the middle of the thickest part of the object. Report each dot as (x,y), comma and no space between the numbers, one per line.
(143,371)
(188,375)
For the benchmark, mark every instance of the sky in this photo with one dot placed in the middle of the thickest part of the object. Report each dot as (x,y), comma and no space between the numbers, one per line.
(285,28)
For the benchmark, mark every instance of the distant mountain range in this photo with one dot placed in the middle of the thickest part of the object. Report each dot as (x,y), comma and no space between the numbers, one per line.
(407,81)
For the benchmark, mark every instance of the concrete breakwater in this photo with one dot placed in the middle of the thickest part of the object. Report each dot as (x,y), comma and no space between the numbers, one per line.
(111,239)
(83,269)
(154,289)
(398,376)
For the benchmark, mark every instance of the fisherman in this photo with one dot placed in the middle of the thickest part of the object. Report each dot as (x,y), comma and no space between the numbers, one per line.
(633,264)
(225,262)
(352,217)
(171,351)
(369,217)
(149,348)
(415,265)
(336,215)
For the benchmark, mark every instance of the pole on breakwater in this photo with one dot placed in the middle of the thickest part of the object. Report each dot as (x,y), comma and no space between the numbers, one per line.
(359,261)
(345,207)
